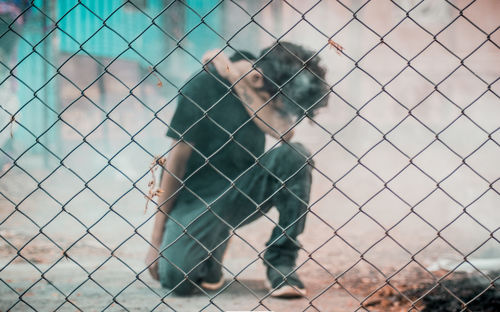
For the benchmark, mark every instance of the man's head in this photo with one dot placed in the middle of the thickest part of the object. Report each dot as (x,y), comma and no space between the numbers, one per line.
(289,72)
(290,76)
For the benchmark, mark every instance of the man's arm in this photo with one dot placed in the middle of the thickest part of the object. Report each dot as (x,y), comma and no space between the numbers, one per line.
(267,118)
(175,166)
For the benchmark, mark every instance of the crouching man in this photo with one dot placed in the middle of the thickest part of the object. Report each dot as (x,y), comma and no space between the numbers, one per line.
(217,176)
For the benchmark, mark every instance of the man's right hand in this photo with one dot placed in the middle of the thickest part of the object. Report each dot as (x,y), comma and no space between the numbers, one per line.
(152,263)
(267,118)
(175,168)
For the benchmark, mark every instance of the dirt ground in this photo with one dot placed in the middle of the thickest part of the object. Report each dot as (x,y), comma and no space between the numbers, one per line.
(340,269)
(92,280)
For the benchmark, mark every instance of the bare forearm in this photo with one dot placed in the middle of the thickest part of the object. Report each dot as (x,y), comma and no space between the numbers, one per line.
(246,81)
(175,169)
(167,198)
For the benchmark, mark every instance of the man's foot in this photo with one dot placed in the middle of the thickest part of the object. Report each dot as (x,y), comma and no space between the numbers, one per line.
(285,283)
(214,279)
(212,286)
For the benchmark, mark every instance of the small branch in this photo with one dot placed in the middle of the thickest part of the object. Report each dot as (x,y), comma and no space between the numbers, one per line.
(153,71)
(337,46)
(11,122)
(153,190)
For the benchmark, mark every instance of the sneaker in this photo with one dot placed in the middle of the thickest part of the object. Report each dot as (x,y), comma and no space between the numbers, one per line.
(214,278)
(212,286)
(284,282)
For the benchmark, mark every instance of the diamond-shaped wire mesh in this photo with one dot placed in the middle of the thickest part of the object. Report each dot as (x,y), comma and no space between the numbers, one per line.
(404,158)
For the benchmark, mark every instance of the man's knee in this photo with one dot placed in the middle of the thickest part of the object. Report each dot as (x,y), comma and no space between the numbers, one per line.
(293,151)
(176,280)
(185,288)
(299,148)
(179,268)
(294,156)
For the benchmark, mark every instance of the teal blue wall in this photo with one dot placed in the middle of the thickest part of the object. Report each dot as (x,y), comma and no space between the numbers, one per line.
(202,38)
(36,91)
(87,29)
(84,23)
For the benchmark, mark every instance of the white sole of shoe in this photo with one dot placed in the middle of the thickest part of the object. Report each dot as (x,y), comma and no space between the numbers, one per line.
(286,291)
(219,284)
(212,286)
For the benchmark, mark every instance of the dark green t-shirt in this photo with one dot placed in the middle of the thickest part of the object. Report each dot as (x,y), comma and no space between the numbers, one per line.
(225,140)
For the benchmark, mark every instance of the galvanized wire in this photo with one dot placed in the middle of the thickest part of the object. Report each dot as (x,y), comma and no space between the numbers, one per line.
(334,138)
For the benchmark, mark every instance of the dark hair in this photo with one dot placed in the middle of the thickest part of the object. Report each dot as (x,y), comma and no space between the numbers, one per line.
(242,55)
(306,92)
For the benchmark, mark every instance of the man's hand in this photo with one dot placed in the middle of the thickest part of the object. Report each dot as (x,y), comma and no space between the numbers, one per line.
(240,71)
(152,263)
(247,83)
(175,168)
(221,62)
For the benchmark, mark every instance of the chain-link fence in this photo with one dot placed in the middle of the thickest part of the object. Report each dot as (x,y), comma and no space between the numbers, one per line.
(403,206)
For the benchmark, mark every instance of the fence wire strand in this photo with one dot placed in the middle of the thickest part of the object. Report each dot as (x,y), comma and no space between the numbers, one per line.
(332,184)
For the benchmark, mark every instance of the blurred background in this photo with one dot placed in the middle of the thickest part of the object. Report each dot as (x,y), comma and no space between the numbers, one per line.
(406,180)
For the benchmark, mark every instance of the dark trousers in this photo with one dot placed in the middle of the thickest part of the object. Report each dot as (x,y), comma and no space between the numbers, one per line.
(196,236)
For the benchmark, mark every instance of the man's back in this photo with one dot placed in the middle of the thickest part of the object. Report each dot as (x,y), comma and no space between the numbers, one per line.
(210,118)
